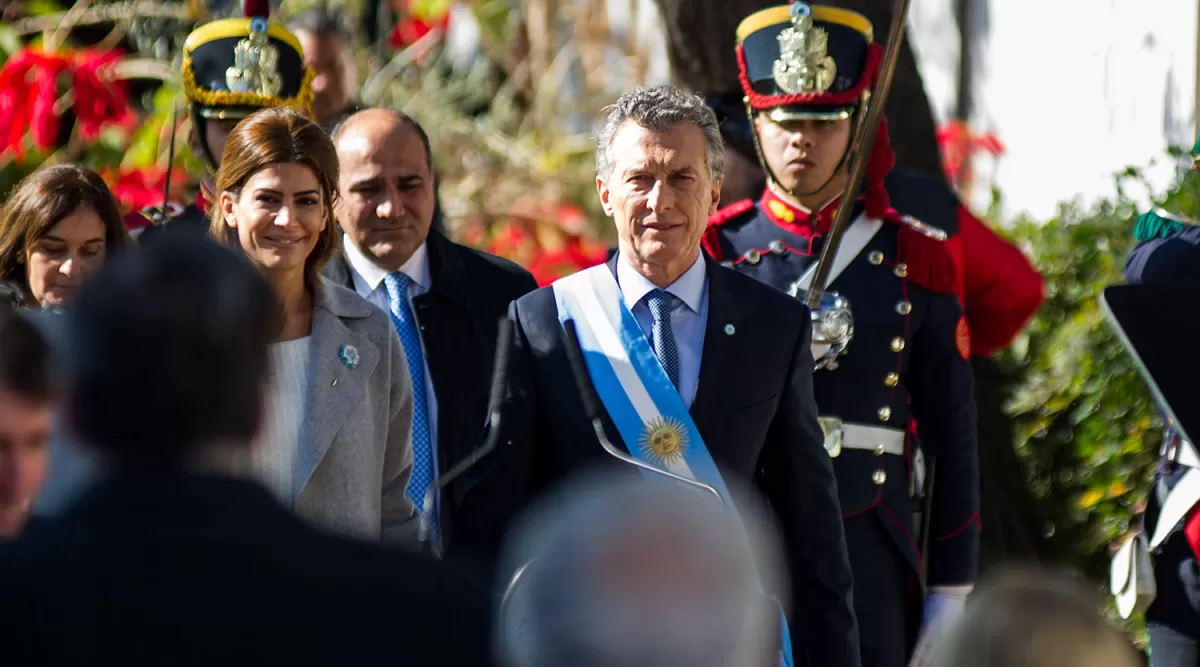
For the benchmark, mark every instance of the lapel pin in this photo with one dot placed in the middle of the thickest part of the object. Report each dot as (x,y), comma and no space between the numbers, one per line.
(730,330)
(349,355)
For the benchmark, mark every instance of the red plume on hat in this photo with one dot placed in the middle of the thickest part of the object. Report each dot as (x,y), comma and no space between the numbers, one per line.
(256,8)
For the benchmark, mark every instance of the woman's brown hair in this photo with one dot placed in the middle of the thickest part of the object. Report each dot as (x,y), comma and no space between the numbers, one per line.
(279,135)
(41,201)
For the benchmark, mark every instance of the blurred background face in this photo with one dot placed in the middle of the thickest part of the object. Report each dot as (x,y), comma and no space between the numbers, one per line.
(659,193)
(805,154)
(278,215)
(24,437)
(335,77)
(61,260)
(386,186)
(216,133)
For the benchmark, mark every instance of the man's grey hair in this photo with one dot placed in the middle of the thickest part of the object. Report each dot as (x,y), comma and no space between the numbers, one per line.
(660,109)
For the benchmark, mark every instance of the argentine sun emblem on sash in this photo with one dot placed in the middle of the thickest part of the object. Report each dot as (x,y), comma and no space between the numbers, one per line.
(664,439)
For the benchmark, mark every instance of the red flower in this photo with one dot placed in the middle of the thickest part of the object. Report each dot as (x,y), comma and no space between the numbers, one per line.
(28,90)
(413,27)
(959,144)
(137,189)
(99,100)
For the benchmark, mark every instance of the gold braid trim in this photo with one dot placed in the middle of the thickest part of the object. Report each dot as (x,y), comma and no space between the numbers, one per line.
(302,102)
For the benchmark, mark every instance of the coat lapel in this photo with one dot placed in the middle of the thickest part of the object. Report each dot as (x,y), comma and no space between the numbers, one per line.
(338,384)
(722,335)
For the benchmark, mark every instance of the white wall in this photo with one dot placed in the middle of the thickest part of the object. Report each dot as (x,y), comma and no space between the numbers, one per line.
(1075,89)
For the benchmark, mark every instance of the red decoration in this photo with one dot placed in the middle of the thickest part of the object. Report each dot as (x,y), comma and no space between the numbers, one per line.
(138,189)
(29,92)
(413,27)
(962,338)
(958,144)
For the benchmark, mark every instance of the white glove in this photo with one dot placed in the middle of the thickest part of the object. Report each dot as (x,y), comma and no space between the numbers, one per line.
(943,606)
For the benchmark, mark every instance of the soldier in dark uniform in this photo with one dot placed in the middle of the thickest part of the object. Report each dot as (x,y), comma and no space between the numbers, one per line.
(1168,254)
(904,380)
(231,68)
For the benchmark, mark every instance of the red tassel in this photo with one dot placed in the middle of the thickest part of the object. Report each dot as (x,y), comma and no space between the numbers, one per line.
(253,8)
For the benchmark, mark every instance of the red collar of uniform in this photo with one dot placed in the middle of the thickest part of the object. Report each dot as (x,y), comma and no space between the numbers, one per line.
(204,198)
(795,218)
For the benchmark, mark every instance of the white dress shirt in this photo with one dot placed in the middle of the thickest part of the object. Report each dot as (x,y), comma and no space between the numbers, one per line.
(368,282)
(689,316)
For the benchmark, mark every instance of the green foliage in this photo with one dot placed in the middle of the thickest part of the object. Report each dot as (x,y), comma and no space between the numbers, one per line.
(1085,424)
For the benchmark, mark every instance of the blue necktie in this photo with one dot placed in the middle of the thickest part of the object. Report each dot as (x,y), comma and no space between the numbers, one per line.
(661,302)
(410,338)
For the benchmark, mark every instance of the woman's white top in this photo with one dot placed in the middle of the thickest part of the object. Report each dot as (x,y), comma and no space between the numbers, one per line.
(276,451)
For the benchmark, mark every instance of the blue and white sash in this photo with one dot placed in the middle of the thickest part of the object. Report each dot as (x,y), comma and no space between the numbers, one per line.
(640,399)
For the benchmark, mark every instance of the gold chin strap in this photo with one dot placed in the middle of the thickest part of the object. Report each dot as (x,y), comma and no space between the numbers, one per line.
(773,182)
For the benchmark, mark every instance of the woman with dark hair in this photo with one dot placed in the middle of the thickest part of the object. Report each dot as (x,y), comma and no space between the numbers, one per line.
(56,230)
(335,442)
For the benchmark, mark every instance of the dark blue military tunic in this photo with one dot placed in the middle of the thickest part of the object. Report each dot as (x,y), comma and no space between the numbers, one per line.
(1170,257)
(906,369)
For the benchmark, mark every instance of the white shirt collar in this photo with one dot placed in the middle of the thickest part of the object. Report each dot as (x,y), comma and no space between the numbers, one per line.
(688,288)
(416,268)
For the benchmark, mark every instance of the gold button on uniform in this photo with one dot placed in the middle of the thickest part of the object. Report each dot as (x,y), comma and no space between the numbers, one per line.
(901,270)
(897,344)
(777,247)
(879,451)
(752,257)
(904,308)
(885,413)
(891,380)
(879,477)
(875,257)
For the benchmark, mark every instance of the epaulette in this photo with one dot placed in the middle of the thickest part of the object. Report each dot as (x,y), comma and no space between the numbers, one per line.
(927,259)
(711,240)
(730,212)
(923,197)
(1159,223)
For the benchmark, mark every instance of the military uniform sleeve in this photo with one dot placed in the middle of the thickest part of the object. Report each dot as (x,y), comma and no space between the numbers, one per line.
(1173,260)
(942,387)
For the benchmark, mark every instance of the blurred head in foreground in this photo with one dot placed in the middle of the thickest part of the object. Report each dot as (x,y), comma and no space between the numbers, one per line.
(626,572)
(191,347)
(26,409)
(1028,618)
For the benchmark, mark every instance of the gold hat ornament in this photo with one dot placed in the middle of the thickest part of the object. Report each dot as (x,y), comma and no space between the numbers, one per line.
(804,64)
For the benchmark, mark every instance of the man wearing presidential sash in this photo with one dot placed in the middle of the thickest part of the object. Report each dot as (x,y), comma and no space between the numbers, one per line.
(668,337)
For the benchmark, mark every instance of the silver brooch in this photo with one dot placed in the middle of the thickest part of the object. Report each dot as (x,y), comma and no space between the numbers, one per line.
(349,355)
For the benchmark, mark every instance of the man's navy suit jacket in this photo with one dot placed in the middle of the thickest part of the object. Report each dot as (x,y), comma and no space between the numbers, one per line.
(755,410)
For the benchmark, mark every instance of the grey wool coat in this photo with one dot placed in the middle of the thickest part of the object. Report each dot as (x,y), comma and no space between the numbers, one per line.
(355,457)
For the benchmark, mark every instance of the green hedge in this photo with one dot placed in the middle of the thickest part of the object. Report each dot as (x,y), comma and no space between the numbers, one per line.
(1085,425)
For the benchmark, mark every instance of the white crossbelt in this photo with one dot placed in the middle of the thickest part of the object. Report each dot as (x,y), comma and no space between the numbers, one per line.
(861,436)
(1183,496)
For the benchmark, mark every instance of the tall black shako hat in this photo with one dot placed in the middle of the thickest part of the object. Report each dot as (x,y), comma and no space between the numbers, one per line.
(234,67)
(803,61)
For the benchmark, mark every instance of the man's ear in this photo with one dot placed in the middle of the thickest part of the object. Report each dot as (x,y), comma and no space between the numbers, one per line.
(603,191)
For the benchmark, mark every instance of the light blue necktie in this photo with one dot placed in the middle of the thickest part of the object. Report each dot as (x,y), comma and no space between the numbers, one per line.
(410,338)
(661,302)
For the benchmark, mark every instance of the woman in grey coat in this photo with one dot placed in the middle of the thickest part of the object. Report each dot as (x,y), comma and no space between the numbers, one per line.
(335,443)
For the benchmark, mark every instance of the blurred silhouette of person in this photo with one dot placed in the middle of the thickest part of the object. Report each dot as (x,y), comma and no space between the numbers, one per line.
(1031,618)
(26,415)
(327,52)
(621,571)
(165,556)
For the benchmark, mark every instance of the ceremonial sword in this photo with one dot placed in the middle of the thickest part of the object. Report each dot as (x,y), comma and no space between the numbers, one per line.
(870,113)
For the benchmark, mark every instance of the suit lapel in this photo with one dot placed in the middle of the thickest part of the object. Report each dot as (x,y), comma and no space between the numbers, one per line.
(722,335)
(336,387)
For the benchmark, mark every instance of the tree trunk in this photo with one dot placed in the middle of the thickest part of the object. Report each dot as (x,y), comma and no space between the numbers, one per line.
(700,47)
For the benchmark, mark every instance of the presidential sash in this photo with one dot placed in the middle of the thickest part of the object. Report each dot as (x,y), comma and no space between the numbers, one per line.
(636,392)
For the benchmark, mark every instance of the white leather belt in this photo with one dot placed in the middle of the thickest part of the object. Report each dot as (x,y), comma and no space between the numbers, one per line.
(840,435)
(1185,454)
